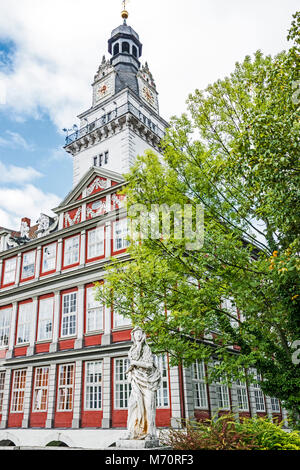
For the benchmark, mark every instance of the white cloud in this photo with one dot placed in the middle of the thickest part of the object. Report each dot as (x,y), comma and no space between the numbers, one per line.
(59,45)
(15,140)
(17,175)
(27,201)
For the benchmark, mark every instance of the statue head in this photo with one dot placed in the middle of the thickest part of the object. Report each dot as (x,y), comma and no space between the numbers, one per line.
(138,335)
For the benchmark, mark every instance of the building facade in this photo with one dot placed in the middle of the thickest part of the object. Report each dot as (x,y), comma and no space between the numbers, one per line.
(63,355)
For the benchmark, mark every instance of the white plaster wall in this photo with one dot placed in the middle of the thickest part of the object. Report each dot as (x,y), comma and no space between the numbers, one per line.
(81,438)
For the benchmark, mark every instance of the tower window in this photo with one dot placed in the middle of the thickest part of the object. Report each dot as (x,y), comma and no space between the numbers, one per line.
(95,161)
(125,47)
(101,159)
(106,158)
(134,51)
(116,49)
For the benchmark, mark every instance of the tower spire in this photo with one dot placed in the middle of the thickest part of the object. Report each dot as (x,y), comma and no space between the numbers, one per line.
(124,13)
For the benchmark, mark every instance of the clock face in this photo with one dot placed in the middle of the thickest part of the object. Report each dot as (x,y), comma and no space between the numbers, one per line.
(148,95)
(102,90)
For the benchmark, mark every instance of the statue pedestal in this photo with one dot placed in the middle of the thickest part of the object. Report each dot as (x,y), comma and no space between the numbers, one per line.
(136,444)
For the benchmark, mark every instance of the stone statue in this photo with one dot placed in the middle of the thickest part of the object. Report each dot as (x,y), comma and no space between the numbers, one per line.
(144,378)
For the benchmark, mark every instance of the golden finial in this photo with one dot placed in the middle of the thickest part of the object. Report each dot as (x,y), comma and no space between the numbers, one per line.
(124,13)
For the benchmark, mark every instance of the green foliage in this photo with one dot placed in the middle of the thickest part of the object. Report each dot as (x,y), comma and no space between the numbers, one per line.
(225,433)
(236,153)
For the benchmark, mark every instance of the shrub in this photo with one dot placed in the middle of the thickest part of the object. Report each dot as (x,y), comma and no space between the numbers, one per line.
(225,433)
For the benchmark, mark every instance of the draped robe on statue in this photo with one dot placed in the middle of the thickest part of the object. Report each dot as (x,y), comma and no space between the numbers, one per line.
(145,380)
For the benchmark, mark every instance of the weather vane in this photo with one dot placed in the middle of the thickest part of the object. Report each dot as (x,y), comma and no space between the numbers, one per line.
(125,12)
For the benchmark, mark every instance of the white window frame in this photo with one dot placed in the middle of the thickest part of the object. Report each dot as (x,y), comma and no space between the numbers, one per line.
(120,233)
(10,263)
(162,395)
(41,389)
(260,403)
(45,319)
(5,319)
(120,321)
(94,312)
(69,315)
(275,405)
(2,385)
(122,388)
(93,385)
(199,385)
(96,243)
(242,395)
(28,265)
(49,258)
(18,391)
(65,388)
(71,251)
(24,323)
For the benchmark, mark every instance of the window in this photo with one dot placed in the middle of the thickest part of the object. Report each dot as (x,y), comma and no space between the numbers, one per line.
(18,391)
(9,274)
(24,323)
(95,243)
(94,311)
(40,400)
(199,385)
(93,385)
(45,319)
(125,47)
(28,265)
(122,387)
(65,387)
(242,396)
(258,394)
(275,405)
(222,396)
(116,49)
(106,157)
(71,251)
(120,233)
(134,51)
(162,396)
(49,258)
(2,383)
(5,316)
(69,311)
(120,320)
(95,159)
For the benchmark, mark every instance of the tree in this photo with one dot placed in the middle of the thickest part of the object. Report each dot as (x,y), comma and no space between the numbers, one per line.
(236,153)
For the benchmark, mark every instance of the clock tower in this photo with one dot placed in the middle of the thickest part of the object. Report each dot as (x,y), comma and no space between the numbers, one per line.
(123,120)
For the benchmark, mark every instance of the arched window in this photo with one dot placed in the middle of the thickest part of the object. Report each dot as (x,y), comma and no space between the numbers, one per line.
(116,49)
(125,47)
(134,51)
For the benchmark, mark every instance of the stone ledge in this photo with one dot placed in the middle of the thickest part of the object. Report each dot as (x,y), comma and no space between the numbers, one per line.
(136,444)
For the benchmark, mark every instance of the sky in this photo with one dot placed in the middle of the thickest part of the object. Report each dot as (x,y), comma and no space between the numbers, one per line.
(50,51)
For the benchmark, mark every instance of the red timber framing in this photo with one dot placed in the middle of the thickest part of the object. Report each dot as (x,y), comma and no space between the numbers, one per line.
(39,397)
(72,265)
(90,418)
(20,347)
(66,342)
(30,278)
(16,402)
(95,258)
(43,345)
(14,270)
(49,271)
(64,396)
(92,338)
